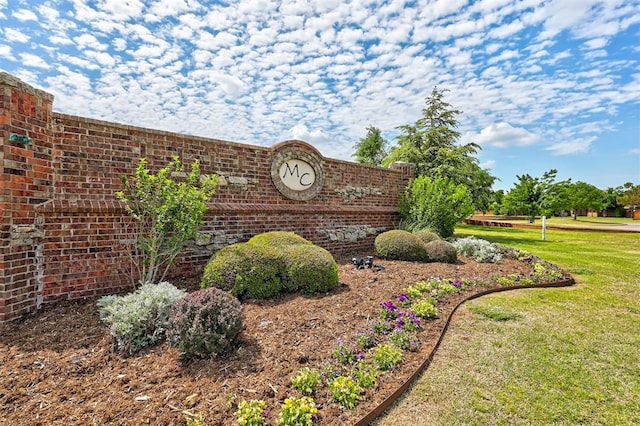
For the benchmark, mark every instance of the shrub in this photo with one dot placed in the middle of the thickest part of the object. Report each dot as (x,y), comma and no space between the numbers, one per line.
(345,390)
(166,212)
(478,249)
(307,380)
(205,322)
(298,412)
(441,251)
(399,245)
(426,236)
(387,356)
(252,413)
(438,204)
(278,239)
(310,269)
(246,271)
(139,319)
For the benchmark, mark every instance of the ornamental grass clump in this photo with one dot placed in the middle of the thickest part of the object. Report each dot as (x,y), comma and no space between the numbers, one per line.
(298,412)
(139,319)
(478,249)
(204,323)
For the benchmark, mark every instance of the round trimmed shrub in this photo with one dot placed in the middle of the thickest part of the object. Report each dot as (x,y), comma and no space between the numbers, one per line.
(441,251)
(204,323)
(278,239)
(310,269)
(246,271)
(399,245)
(426,236)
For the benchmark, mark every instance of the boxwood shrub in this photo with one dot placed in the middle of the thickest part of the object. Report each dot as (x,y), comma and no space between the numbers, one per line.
(271,263)
(400,245)
(426,236)
(310,269)
(247,271)
(441,251)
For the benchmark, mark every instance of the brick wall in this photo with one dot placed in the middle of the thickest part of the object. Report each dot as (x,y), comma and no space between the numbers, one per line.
(63,235)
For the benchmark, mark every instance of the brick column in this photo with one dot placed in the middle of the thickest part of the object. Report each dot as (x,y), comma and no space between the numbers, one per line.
(26,178)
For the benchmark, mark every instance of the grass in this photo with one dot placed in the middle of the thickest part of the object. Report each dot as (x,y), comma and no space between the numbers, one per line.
(581,221)
(572,356)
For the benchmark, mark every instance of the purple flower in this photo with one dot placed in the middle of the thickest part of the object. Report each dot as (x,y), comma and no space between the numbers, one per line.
(457,283)
(265,413)
(403,297)
(389,306)
(360,355)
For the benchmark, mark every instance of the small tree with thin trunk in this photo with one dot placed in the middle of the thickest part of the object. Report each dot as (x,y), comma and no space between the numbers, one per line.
(167,209)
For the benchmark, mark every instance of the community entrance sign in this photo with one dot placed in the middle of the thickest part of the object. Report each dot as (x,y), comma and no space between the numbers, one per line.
(296,170)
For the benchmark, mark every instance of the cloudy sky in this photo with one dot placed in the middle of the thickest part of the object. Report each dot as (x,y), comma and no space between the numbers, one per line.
(542,83)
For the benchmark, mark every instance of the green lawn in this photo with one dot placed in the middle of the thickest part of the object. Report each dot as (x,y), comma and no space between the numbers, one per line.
(541,356)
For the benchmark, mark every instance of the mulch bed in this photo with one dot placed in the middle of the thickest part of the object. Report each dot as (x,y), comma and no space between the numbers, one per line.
(58,365)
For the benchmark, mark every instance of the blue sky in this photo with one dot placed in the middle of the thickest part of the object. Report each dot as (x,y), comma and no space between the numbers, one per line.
(542,83)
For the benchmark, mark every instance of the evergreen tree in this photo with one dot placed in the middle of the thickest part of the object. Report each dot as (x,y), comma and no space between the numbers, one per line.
(371,149)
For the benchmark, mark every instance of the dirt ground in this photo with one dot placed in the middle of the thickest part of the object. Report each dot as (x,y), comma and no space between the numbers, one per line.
(58,366)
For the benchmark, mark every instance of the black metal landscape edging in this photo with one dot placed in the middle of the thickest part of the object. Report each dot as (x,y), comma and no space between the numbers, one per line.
(376,412)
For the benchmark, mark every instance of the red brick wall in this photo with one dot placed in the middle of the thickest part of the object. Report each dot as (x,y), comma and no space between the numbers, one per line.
(63,235)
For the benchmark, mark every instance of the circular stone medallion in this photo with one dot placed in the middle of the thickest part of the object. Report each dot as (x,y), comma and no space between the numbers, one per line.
(296,171)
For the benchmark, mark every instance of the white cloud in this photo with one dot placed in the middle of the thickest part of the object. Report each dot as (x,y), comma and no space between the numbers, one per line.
(635,151)
(5,52)
(30,60)
(302,132)
(503,135)
(570,147)
(489,164)
(17,36)
(24,15)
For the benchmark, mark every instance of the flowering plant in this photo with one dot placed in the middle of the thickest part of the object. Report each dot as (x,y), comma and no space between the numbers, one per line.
(298,412)
(345,391)
(252,413)
(387,356)
(346,353)
(307,380)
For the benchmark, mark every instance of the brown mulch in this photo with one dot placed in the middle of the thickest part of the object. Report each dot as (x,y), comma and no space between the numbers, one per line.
(58,366)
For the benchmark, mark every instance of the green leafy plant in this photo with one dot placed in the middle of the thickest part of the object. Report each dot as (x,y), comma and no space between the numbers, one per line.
(438,203)
(345,352)
(366,339)
(205,322)
(365,375)
(307,381)
(345,391)
(139,319)
(310,268)
(247,271)
(298,412)
(425,309)
(387,356)
(252,413)
(399,245)
(194,419)
(167,212)
(402,339)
